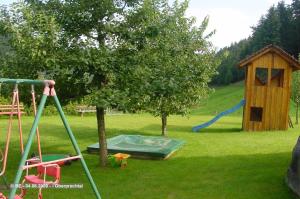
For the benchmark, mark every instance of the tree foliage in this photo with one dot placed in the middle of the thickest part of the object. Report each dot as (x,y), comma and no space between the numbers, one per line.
(174,58)
(28,32)
(91,32)
(126,54)
(279,26)
(73,42)
(227,70)
(296,92)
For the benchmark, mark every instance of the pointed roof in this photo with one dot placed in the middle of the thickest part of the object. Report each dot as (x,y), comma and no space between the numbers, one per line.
(273,49)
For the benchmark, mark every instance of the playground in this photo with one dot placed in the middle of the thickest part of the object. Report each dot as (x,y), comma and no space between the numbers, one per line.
(135,99)
(220,162)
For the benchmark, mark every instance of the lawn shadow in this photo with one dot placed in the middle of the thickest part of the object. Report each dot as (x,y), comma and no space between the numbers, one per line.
(247,176)
(221,130)
(111,132)
(170,128)
(240,176)
(234,176)
(225,121)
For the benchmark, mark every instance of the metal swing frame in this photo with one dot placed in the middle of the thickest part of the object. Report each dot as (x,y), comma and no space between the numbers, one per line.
(15,106)
(49,91)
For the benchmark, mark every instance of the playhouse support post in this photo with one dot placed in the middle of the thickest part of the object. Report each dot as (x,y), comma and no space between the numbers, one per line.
(297,112)
(28,146)
(73,140)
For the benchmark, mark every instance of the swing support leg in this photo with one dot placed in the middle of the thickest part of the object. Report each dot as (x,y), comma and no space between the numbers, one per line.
(48,91)
(30,140)
(73,140)
(17,179)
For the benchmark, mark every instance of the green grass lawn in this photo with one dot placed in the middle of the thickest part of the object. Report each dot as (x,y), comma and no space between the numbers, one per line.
(220,162)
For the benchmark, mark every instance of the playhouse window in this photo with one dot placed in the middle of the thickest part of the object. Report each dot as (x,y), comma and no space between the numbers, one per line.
(277,77)
(256,114)
(261,76)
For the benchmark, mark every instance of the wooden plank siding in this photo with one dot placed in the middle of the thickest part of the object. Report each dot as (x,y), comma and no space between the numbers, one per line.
(274,100)
(274,96)
(248,91)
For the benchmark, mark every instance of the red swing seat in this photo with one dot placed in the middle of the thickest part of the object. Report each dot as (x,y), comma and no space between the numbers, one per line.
(50,170)
(4,197)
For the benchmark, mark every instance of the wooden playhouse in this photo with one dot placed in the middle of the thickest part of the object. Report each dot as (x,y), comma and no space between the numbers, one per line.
(268,77)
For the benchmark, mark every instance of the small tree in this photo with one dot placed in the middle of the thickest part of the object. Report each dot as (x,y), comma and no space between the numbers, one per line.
(175,60)
(296,92)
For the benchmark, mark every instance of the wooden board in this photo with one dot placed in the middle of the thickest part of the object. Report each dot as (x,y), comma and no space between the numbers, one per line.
(273,97)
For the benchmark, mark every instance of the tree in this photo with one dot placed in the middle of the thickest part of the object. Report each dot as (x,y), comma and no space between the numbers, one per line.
(296,92)
(175,60)
(27,34)
(287,28)
(228,70)
(91,37)
(267,31)
(279,26)
(296,22)
(32,40)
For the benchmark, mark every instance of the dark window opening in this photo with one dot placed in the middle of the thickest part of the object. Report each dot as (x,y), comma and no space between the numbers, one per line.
(256,114)
(277,77)
(261,76)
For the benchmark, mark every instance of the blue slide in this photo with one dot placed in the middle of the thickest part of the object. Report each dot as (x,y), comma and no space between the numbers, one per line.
(206,124)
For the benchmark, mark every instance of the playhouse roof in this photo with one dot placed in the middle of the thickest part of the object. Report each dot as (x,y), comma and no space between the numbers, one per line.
(273,49)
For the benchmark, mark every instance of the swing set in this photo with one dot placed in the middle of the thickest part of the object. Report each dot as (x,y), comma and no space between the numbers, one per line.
(44,169)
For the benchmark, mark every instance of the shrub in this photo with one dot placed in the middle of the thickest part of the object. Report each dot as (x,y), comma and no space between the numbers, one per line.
(4,100)
(50,110)
(70,109)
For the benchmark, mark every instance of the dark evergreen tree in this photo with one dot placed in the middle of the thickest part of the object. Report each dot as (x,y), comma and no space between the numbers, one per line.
(267,30)
(286,29)
(279,26)
(296,23)
(227,70)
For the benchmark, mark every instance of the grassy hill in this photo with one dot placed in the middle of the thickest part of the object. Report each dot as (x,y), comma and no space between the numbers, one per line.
(221,99)
(224,98)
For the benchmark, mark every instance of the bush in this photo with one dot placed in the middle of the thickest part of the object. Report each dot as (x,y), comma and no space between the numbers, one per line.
(70,109)
(50,110)
(4,100)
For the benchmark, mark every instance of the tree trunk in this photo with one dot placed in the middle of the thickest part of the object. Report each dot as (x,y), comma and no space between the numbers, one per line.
(101,135)
(164,124)
(297,112)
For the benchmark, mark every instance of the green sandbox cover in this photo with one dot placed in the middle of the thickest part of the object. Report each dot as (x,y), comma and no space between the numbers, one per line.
(140,146)
(53,157)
